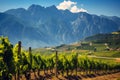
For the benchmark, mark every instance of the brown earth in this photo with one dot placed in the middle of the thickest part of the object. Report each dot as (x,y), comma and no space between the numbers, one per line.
(113,76)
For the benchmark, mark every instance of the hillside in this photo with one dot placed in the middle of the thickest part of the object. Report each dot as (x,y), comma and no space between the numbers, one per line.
(112,39)
(104,45)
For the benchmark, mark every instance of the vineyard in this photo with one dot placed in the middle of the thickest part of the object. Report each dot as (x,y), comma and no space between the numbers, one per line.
(16,62)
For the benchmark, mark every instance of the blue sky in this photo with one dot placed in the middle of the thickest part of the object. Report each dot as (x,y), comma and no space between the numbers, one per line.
(98,7)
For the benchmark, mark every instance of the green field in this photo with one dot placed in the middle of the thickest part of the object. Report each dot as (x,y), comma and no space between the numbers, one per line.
(83,49)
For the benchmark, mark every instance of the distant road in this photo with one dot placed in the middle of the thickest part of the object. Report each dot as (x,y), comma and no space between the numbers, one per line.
(110,58)
(102,57)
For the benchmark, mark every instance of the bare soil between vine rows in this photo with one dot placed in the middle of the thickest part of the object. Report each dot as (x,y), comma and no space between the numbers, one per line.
(108,76)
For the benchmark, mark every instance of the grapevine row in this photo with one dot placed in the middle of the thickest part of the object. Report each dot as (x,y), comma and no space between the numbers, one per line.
(15,61)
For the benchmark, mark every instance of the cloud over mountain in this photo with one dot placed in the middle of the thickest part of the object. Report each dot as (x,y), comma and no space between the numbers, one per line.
(70,5)
(75,9)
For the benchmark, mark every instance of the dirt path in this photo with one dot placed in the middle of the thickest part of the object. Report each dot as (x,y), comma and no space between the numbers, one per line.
(115,76)
(102,57)
(116,59)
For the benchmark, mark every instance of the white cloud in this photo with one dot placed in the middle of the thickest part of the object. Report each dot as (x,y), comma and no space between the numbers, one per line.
(72,6)
(75,9)
(66,5)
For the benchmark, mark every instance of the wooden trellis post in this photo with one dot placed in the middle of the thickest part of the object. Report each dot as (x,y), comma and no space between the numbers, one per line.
(56,61)
(76,62)
(19,52)
(30,55)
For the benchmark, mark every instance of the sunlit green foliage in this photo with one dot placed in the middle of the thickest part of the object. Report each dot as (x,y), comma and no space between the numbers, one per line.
(11,61)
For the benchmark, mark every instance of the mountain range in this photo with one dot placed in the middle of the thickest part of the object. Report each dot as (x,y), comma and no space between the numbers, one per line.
(38,26)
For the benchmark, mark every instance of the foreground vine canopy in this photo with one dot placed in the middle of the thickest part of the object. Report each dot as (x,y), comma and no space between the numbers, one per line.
(15,62)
